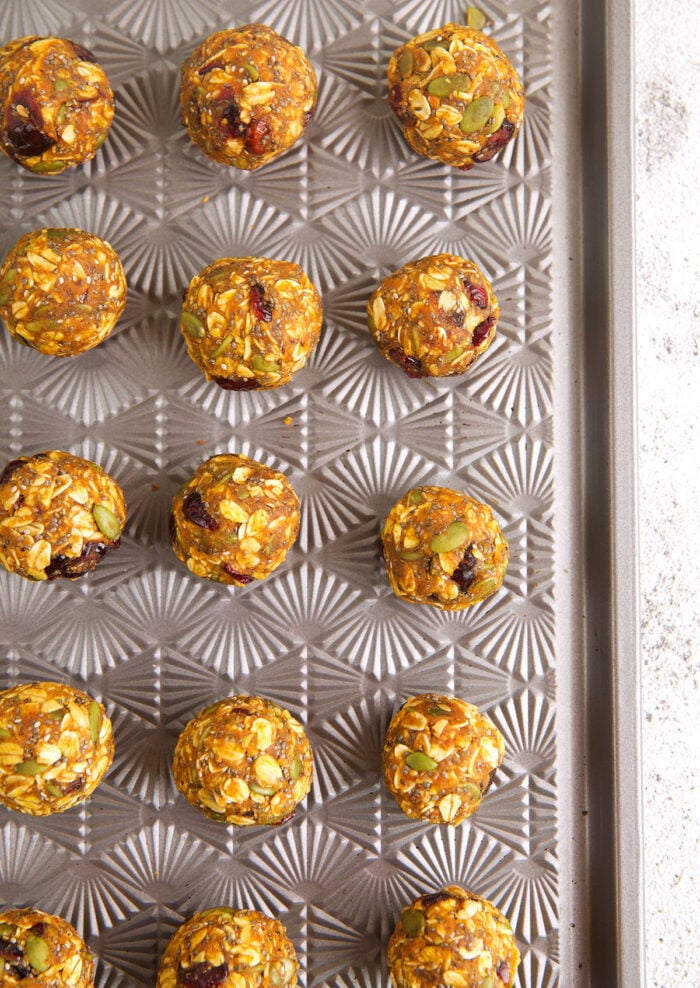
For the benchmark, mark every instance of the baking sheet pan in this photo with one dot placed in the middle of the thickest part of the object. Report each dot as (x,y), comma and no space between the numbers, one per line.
(540,428)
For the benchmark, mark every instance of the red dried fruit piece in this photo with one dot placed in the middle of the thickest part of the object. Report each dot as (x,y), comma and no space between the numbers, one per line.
(503,972)
(411,365)
(72,569)
(238,577)
(11,468)
(206,69)
(262,307)
(465,574)
(26,135)
(193,509)
(237,383)
(477,294)
(202,976)
(496,142)
(231,120)
(9,951)
(83,54)
(308,115)
(396,103)
(433,898)
(21,971)
(483,330)
(258,138)
(75,786)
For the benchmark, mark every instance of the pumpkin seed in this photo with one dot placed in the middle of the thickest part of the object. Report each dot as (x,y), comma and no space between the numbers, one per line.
(59,233)
(405,63)
(436,43)
(476,114)
(444,85)
(453,354)
(473,790)
(506,99)
(106,521)
(192,325)
(452,538)
(30,767)
(436,711)
(276,978)
(61,85)
(251,71)
(499,115)
(371,323)
(413,922)
(265,366)
(224,345)
(416,496)
(486,983)
(46,167)
(421,762)
(411,555)
(7,929)
(295,769)
(57,714)
(38,953)
(96,719)
(475,18)
(53,788)
(100,140)
(261,790)
(5,734)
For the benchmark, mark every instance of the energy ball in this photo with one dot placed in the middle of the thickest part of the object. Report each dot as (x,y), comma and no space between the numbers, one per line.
(42,951)
(234,948)
(246,95)
(250,323)
(456,95)
(434,317)
(56,103)
(454,938)
(244,760)
(440,756)
(443,548)
(55,746)
(59,515)
(234,521)
(61,291)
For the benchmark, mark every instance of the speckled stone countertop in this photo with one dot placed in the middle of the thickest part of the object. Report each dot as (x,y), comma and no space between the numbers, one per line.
(668,329)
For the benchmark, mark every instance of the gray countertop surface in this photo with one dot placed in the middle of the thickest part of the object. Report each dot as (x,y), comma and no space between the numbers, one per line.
(667,92)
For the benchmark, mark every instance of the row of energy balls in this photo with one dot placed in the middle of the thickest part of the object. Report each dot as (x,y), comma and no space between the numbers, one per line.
(247,761)
(246,96)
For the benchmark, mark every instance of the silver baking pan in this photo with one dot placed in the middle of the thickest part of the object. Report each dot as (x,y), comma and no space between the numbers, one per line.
(542,428)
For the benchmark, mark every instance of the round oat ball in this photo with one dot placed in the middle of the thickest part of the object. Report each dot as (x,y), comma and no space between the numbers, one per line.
(234,521)
(61,290)
(244,760)
(246,95)
(42,951)
(233,948)
(59,515)
(434,317)
(455,938)
(250,323)
(55,746)
(440,756)
(56,104)
(456,95)
(443,548)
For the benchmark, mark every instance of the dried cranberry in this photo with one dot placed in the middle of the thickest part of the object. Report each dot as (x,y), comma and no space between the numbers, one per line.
(11,468)
(411,365)
(10,951)
(237,383)
(21,971)
(72,568)
(433,898)
(284,819)
(503,972)
(396,103)
(262,307)
(258,138)
(239,577)
(193,509)
(202,976)
(83,54)
(483,330)
(231,120)
(464,574)
(308,115)
(27,136)
(496,142)
(477,294)
(205,69)
(457,316)
(39,929)
(75,786)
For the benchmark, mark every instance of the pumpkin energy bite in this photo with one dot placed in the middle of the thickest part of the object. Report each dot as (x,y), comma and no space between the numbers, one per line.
(454,938)
(42,951)
(244,760)
(434,317)
(246,95)
(59,515)
(55,746)
(443,548)
(56,104)
(250,323)
(234,521)
(233,948)
(456,95)
(440,756)
(61,290)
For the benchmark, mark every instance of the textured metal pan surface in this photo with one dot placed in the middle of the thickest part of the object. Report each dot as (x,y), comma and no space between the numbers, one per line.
(324,635)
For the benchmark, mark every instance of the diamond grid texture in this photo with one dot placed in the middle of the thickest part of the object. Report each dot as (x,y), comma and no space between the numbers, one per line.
(324,635)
